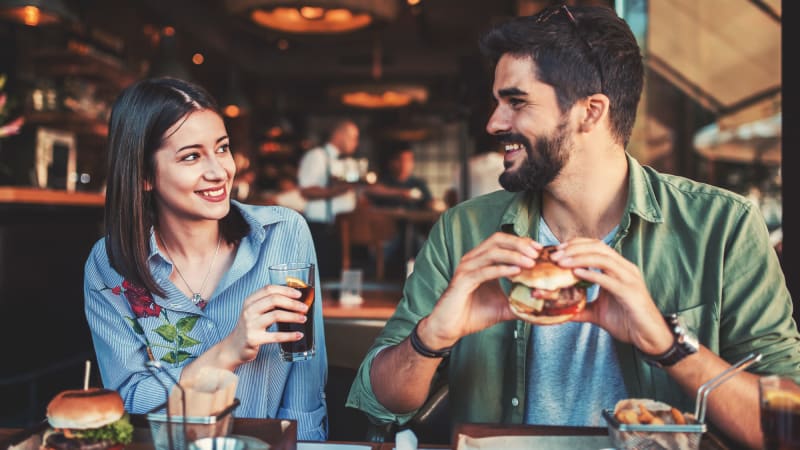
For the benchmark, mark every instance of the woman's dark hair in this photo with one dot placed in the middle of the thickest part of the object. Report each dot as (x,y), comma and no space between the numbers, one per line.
(595,52)
(140,119)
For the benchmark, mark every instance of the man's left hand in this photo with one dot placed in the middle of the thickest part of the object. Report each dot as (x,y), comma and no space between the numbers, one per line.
(623,307)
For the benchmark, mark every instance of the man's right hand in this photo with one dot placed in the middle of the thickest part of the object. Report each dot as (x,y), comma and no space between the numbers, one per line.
(474,299)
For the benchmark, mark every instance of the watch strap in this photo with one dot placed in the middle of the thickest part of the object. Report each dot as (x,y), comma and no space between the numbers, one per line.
(682,346)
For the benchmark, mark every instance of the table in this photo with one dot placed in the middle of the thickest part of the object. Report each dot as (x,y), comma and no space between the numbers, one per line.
(710,441)
(9,433)
(378,305)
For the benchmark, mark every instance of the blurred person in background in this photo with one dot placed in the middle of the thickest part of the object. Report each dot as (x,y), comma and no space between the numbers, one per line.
(397,187)
(162,284)
(318,176)
(483,169)
(289,194)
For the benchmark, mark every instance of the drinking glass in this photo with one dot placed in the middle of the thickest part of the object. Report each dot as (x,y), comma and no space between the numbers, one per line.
(300,276)
(780,412)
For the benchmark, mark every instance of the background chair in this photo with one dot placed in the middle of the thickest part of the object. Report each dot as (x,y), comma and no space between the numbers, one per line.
(365,227)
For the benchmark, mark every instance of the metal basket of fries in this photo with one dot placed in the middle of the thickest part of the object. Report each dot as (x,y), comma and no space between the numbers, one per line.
(653,437)
(176,432)
(645,424)
(171,432)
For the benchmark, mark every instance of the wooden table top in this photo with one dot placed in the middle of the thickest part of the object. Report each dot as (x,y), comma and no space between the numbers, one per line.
(29,195)
(377,305)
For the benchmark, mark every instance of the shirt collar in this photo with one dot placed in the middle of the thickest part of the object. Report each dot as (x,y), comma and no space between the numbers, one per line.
(332,151)
(642,200)
(257,219)
(521,217)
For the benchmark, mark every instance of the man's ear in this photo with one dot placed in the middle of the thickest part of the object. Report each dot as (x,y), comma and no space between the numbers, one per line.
(595,108)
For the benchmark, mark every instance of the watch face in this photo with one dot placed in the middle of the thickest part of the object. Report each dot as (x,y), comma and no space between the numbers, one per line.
(684,335)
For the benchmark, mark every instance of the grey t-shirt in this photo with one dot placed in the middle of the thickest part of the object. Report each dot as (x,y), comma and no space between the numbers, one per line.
(573,370)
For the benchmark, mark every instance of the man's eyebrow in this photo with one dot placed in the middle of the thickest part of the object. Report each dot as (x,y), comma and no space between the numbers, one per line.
(512,91)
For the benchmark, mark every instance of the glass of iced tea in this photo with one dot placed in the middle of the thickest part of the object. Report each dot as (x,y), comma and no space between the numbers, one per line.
(780,412)
(299,276)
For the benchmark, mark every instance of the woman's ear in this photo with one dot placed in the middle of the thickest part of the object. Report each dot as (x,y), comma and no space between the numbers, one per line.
(595,111)
(148,186)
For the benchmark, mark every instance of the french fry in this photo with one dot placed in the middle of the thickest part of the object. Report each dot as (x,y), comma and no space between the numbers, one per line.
(628,416)
(678,417)
(645,416)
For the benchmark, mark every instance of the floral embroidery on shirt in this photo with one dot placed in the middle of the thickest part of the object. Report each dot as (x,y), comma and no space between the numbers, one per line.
(175,335)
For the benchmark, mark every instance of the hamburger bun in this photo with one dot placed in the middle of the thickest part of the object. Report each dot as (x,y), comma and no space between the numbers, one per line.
(547,294)
(85,409)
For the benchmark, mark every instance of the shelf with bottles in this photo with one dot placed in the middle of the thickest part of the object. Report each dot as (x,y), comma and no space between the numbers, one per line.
(79,123)
(85,62)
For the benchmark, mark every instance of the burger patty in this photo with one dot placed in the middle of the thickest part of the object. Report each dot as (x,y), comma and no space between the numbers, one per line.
(58,441)
(565,297)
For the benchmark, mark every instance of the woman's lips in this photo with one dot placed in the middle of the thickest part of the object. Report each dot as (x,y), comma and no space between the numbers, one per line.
(214,195)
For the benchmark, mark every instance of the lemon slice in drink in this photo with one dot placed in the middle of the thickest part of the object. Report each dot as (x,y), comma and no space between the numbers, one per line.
(783,400)
(293,282)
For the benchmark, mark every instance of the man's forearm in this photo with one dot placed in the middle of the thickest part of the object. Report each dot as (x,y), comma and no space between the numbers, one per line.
(401,378)
(734,405)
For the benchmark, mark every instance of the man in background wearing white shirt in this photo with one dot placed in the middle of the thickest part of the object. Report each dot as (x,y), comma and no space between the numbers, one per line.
(317,177)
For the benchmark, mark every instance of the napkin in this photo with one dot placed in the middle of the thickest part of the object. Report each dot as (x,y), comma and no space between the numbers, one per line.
(207,393)
(405,440)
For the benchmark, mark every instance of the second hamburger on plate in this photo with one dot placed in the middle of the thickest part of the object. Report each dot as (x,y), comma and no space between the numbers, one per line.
(547,294)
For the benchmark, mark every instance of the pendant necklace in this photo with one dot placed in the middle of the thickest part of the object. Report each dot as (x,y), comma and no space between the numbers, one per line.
(197,296)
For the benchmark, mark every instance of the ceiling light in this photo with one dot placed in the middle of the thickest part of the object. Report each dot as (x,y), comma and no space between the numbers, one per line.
(35,12)
(314,16)
(376,96)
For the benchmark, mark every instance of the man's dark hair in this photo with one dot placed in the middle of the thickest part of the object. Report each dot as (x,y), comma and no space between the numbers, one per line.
(338,125)
(568,56)
(393,149)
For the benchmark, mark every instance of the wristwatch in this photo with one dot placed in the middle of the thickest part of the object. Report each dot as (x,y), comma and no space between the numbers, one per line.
(684,344)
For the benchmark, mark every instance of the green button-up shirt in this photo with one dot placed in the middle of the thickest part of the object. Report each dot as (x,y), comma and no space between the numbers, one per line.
(703,252)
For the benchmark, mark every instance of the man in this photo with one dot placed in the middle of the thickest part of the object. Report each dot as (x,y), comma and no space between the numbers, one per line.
(567,83)
(316,175)
(397,187)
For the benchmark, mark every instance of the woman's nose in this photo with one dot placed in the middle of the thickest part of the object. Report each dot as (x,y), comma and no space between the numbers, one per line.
(215,170)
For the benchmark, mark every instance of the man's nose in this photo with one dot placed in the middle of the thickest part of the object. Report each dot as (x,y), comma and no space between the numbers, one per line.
(499,121)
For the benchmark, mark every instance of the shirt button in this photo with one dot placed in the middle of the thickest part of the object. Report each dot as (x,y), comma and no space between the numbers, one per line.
(209,326)
(516,334)
(515,402)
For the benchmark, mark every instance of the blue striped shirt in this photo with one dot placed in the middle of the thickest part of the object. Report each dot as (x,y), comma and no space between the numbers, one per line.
(126,321)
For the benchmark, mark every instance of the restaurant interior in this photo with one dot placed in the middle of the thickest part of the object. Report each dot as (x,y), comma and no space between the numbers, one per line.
(402,70)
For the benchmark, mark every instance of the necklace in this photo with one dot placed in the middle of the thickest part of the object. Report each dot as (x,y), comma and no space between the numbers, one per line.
(197,296)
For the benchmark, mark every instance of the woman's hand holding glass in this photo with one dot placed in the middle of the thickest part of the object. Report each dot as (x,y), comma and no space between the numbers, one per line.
(262,309)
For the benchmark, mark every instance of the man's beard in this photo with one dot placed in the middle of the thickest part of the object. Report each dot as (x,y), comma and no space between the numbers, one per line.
(543,164)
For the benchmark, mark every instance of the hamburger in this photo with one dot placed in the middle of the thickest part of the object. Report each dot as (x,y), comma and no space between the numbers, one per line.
(547,294)
(90,419)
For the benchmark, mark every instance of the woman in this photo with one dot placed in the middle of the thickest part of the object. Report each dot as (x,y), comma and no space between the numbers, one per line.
(181,275)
